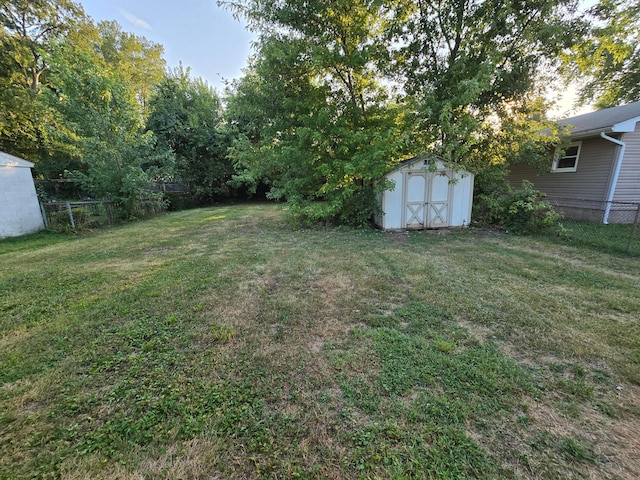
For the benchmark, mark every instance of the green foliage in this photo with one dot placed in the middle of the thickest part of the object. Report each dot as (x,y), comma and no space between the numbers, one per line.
(186,116)
(521,211)
(102,122)
(316,122)
(28,28)
(340,91)
(137,60)
(461,62)
(73,97)
(528,212)
(606,62)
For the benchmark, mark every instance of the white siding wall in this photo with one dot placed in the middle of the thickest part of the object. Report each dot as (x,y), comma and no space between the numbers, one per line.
(19,207)
(460,201)
(392,203)
(628,188)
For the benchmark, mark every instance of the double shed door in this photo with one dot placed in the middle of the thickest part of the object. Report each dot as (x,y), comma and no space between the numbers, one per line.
(426,200)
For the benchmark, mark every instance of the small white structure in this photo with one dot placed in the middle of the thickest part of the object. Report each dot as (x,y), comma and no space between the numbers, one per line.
(19,206)
(427,194)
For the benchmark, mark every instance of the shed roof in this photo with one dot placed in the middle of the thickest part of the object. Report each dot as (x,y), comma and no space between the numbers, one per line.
(427,156)
(7,160)
(616,119)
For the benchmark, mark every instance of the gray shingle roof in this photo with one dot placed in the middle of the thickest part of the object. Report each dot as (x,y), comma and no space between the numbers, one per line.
(616,119)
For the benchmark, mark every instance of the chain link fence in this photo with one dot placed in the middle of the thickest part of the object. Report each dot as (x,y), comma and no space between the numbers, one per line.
(82,215)
(583,224)
(64,216)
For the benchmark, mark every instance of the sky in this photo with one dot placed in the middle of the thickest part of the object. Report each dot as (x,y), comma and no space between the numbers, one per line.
(197,33)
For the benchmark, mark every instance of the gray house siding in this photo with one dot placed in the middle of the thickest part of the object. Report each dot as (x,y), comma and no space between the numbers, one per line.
(587,192)
(581,194)
(588,182)
(628,188)
(626,198)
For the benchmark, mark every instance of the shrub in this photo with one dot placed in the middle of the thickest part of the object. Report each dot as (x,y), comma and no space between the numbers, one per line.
(523,211)
(59,220)
(528,212)
(353,208)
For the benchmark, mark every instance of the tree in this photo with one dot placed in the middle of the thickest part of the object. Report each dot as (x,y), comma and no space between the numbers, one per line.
(459,66)
(138,61)
(461,61)
(330,127)
(104,127)
(186,115)
(609,55)
(27,30)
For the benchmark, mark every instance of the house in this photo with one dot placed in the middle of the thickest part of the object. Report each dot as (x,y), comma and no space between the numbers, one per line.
(596,174)
(427,194)
(19,206)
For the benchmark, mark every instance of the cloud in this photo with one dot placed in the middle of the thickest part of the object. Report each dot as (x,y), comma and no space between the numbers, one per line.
(138,22)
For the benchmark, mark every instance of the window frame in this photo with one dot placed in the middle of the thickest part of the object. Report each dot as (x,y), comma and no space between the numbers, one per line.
(557,158)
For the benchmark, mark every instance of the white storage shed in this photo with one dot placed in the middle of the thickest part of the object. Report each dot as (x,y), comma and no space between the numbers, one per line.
(427,194)
(19,206)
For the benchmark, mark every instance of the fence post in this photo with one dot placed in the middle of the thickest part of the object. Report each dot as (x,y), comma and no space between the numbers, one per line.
(633,229)
(44,216)
(73,224)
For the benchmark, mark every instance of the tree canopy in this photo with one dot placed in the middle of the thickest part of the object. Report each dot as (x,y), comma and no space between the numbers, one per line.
(606,60)
(187,118)
(74,97)
(28,29)
(347,89)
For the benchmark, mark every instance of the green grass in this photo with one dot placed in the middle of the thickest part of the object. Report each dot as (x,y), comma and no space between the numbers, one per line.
(221,343)
(620,239)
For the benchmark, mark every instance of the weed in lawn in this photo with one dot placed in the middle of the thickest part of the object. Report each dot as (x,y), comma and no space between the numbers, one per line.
(569,448)
(433,391)
(222,334)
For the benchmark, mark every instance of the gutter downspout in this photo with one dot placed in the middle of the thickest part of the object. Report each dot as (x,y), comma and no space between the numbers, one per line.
(616,173)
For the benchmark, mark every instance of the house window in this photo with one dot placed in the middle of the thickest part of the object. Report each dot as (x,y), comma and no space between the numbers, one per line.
(566,158)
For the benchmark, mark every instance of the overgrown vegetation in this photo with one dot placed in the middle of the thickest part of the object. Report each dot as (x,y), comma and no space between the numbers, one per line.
(221,343)
(519,211)
(336,94)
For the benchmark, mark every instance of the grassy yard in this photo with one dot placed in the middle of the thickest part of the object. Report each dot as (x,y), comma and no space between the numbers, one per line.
(220,343)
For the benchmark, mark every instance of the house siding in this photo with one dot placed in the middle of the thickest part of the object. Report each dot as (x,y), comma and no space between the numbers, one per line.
(588,182)
(628,187)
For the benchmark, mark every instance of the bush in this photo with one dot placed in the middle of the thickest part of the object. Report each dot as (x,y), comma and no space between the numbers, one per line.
(355,208)
(523,211)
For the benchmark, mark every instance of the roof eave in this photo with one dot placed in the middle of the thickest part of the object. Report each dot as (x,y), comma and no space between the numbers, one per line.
(626,126)
(7,160)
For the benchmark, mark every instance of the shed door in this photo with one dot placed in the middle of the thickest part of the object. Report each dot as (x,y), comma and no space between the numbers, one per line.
(438,205)
(415,200)
(427,199)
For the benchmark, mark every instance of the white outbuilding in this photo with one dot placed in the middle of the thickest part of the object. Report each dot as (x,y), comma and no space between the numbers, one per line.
(19,206)
(427,193)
